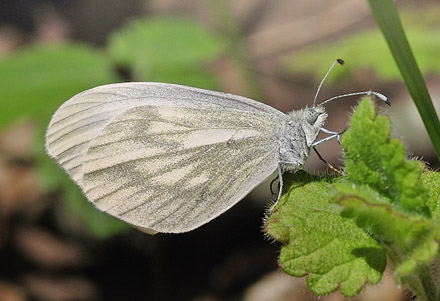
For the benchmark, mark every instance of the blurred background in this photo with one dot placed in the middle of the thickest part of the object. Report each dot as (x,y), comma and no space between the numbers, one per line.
(55,246)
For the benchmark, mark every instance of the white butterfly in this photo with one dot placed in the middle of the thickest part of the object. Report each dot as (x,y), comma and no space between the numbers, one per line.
(170,158)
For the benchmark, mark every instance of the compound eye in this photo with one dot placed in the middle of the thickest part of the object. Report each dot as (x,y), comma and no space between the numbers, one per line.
(311,115)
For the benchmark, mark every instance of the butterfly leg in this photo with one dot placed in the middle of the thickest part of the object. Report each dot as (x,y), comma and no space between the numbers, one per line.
(336,135)
(325,140)
(325,161)
(271,185)
(333,135)
(280,188)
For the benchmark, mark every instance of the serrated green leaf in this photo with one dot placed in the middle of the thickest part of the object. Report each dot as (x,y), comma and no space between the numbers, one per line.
(318,242)
(385,206)
(373,159)
(37,80)
(166,49)
(386,196)
(375,214)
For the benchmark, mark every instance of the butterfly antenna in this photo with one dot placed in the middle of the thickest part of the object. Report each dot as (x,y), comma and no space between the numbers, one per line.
(338,61)
(377,94)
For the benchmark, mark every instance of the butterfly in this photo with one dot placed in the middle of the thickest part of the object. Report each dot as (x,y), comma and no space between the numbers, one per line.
(170,158)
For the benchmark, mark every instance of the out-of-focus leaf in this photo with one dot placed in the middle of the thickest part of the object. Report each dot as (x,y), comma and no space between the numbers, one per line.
(166,49)
(34,82)
(37,80)
(367,50)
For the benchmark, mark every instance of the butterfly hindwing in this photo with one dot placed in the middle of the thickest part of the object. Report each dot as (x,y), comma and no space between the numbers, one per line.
(172,169)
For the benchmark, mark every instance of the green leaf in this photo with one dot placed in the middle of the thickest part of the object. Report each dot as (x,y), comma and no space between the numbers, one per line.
(367,50)
(34,83)
(413,269)
(375,160)
(166,49)
(386,206)
(428,248)
(37,80)
(318,242)
(375,215)
(381,188)
(425,253)
(385,194)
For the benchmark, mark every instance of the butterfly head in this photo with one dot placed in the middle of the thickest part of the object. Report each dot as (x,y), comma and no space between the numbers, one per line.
(315,116)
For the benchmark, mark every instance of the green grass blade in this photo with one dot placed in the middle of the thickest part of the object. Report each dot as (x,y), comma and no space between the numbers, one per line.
(389,23)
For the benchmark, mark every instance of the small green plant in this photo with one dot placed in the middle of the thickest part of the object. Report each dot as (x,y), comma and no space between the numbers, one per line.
(339,231)
(393,201)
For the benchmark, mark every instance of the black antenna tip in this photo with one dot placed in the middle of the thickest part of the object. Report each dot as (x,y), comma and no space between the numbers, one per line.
(381,96)
(341,61)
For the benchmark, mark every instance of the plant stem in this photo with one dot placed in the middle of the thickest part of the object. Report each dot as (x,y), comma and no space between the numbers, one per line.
(420,282)
(427,282)
(388,20)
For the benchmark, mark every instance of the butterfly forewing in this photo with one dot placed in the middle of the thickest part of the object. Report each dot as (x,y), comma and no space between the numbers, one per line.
(83,117)
(172,169)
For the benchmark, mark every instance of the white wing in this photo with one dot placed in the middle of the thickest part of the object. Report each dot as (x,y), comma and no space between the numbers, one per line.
(165,158)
